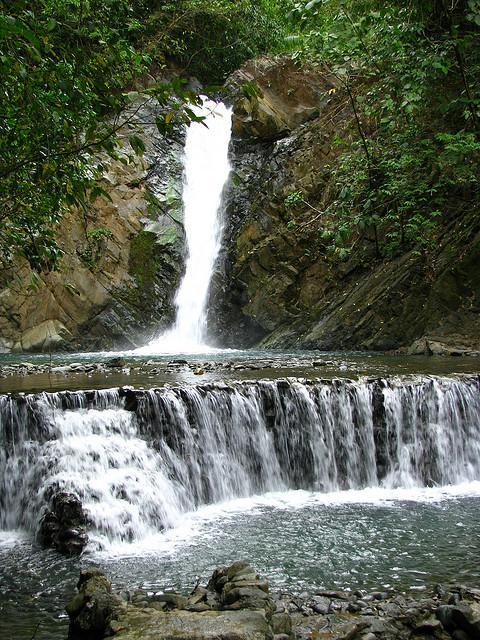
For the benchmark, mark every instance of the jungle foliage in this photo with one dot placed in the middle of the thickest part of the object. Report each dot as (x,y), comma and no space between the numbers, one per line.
(73,72)
(68,71)
(411,71)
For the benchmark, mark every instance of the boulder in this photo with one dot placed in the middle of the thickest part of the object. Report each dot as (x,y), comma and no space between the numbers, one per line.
(46,336)
(273,95)
(462,617)
(209,613)
(95,610)
(64,526)
(172,600)
(240,587)
(149,624)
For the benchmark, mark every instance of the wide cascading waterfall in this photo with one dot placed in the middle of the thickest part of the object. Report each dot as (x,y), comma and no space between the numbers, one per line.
(139,459)
(205,173)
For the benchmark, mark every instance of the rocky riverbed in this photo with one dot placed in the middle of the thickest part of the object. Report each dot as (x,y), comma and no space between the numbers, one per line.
(31,376)
(114,365)
(236,603)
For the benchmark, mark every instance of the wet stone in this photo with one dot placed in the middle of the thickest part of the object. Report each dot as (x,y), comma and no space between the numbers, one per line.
(428,626)
(172,600)
(64,526)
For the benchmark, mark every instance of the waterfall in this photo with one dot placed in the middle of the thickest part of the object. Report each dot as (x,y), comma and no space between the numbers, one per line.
(137,459)
(206,171)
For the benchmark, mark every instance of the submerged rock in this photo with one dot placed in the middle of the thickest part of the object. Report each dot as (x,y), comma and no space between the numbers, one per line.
(64,527)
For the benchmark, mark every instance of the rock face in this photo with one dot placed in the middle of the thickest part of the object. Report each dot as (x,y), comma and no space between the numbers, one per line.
(64,527)
(273,96)
(123,259)
(276,283)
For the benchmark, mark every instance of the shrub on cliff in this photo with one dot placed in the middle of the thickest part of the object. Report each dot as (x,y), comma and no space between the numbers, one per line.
(411,73)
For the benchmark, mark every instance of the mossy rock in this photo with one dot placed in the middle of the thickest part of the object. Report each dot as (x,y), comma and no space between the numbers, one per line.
(144,261)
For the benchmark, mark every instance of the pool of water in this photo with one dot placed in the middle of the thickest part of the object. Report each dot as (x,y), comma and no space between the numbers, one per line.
(406,539)
(281,364)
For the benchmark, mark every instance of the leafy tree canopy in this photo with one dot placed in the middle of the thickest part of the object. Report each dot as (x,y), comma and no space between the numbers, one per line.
(67,68)
(411,71)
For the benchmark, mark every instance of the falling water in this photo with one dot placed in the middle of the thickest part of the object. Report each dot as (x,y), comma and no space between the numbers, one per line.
(139,459)
(206,171)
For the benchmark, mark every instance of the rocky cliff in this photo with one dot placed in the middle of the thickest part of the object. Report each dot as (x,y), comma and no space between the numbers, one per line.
(277,284)
(123,258)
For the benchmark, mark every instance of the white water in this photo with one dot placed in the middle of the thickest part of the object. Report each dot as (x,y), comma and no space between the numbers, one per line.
(206,172)
(232,447)
(205,522)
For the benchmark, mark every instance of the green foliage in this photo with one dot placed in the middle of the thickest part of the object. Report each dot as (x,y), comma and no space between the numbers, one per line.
(251,90)
(143,262)
(293,199)
(68,70)
(64,66)
(95,247)
(411,73)
(169,205)
(224,33)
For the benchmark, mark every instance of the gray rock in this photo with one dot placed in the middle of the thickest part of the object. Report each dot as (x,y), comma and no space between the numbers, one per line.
(172,600)
(428,626)
(391,609)
(464,617)
(239,568)
(94,607)
(279,606)
(245,584)
(199,607)
(64,526)
(281,624)
(246,593)
(198,595)
(353,630)
(187,625)
(212,600)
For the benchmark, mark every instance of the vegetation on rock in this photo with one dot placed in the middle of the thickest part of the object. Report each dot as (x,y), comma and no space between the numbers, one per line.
(411,73)
(70,68)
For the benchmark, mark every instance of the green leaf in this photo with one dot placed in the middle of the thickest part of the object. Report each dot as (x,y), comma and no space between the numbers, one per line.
(71,288)
(98,191)
(137,144)
(11,26)
(313,3)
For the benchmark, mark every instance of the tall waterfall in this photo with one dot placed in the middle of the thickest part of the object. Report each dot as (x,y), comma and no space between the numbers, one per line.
(206,171)
(137,459)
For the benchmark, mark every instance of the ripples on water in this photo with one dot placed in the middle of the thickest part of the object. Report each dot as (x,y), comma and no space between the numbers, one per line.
(371,539)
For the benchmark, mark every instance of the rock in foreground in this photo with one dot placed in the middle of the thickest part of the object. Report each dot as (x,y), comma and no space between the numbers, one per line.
(236,604)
